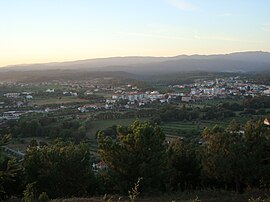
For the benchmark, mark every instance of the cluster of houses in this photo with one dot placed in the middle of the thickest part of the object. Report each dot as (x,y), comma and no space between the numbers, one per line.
(200,90)
(141,97)
(14,115)
(26,95)
(130,96)
(130,99)
(221,88)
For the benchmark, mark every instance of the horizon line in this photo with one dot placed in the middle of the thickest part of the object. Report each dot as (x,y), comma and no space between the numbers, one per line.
(130,56)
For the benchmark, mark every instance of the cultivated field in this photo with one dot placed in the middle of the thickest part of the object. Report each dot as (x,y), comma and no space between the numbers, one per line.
(62,100)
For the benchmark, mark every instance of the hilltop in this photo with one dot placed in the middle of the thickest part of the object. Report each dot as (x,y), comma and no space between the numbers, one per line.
(253,61)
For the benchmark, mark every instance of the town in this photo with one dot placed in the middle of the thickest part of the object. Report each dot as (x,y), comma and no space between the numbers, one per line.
(90,96)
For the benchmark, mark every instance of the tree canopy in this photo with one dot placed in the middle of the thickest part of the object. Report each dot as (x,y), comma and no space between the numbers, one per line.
(137,152)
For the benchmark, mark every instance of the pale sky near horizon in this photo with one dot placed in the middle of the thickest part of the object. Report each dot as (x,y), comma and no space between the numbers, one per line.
(36,31)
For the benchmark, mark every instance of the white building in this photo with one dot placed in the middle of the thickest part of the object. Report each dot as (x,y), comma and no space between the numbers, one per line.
(186,99)
(12,115)
(12,95)
(49,91)
(29,97)
(154,95)
(132,96)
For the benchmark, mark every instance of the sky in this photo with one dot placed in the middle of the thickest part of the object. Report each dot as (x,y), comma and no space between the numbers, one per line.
(38,31)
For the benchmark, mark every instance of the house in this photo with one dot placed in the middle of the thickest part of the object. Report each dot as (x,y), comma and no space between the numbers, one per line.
(12,95)
(163,100)
(82,109)
(193,91)
(110,101)
(29,97)
(19,104)
(93,106)
(267,92)
(49,91)
(267,121)
(88,93)
(115,97)
(186,99)
(141,104)
(154,95)
(70,94)
(108,106)
(12,115)
(132,96)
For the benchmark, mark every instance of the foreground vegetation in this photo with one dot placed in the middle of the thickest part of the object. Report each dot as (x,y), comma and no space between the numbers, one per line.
(226,159)
(184,152)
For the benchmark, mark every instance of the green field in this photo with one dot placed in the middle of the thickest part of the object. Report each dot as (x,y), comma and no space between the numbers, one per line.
(170,129)
(63,100)
(185,128)
(179,128)
(103,124)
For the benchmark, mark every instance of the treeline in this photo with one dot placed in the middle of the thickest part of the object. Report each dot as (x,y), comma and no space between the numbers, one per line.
(249,105)
(261,78)
(172,113)
(234,158)
(123,115)
(256,102)
(49,127)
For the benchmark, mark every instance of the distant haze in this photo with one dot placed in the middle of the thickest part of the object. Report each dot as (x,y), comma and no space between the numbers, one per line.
(255,61)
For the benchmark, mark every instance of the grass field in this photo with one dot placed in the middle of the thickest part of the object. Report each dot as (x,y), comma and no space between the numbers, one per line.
(184,128)
(171,129)
(178,128)
(103,124)
(217,101)
(63,100)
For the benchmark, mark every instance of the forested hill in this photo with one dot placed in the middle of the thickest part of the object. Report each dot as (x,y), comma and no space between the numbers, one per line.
(58,74)
(256,61)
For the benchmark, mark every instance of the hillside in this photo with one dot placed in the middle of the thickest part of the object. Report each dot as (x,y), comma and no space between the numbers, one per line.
(234,62)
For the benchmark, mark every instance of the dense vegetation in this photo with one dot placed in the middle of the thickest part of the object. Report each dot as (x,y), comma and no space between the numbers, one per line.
(249,105)
(50,127)
(232,158)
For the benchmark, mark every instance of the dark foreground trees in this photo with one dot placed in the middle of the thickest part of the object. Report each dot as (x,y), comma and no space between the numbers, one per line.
(237,156)
(60,170)
(10,173)
(182,167)
(137,152)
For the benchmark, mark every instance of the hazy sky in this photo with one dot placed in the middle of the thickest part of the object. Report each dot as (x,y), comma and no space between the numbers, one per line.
(58,30)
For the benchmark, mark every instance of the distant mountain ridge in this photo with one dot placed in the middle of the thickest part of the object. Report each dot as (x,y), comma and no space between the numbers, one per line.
(253,61)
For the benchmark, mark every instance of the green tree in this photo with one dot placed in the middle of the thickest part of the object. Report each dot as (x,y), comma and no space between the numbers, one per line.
(138,151)
(9,172)
(222,156)
(60,170)
(230,155)
(257,143)
(183,168)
